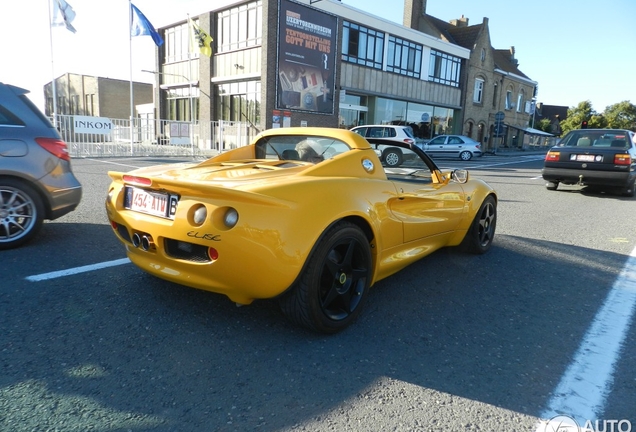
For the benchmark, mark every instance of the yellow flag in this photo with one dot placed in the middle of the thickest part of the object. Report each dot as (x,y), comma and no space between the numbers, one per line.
(201,39)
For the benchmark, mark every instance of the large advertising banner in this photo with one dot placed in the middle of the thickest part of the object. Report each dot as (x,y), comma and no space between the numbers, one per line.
(306,58)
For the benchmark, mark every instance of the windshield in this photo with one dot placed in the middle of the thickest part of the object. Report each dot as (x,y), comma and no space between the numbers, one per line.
(313,149)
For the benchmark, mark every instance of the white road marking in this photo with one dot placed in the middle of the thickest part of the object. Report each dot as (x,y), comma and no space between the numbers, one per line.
(526,158)
(112,163)
(586,382)
(76,270)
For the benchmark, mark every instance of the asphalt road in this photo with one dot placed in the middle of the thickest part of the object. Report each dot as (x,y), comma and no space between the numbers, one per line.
(454,342)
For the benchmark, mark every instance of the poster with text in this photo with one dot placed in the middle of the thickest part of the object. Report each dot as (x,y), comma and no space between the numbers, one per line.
(306,58)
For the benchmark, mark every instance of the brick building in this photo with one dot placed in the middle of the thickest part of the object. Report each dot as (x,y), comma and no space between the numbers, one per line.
(285,63)
(493,82)
(95,96)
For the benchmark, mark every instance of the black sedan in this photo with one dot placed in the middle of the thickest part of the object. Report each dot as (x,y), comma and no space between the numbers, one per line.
(598,158)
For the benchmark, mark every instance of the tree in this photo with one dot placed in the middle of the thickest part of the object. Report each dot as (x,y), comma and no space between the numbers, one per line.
(577,115)
(621,116)
(544,125)
(618,116)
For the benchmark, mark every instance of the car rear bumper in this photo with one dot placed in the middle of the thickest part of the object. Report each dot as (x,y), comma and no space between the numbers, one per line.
(64,193)
(65,201)
(588,177)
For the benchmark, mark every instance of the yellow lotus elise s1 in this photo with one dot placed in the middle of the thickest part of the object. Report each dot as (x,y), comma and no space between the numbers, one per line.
(307,215)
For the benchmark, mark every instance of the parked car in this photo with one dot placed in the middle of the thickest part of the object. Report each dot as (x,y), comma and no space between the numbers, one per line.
(390,155)
(311,211)
(598,158)
(36,179)
(452,146)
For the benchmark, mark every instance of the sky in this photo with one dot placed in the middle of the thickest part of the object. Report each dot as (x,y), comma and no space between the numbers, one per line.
(576,50)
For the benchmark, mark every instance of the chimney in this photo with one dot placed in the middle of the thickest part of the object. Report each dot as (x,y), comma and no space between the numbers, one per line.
(413,10)
(459,23)
(513,60)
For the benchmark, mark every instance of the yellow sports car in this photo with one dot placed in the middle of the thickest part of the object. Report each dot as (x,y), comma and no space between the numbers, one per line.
(308,215)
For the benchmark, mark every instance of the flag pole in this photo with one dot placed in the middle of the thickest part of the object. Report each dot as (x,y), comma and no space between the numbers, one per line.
(52,67)
(189,77)
(132,113)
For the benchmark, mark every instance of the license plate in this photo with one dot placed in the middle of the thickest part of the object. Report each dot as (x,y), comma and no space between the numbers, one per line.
(586,158)
(152,203)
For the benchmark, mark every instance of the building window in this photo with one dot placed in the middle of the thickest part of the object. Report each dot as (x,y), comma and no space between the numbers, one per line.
(61,105)
(483,54)
(520,102)
(479,91)
(444,68)
(509,104)
(404,57)
(239,101)
(183,106)
(89,107)
(75,105)
(362,45)
(177,43)
(240,27)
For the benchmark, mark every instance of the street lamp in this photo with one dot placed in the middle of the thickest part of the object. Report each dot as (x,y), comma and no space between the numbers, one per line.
(191,97)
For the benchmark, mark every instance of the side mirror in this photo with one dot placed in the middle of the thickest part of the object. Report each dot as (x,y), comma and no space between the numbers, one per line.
(460,175)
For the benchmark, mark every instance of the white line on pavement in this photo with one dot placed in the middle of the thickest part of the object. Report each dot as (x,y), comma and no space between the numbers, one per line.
(587,380)
(112,163)
(76,270)
(505,163)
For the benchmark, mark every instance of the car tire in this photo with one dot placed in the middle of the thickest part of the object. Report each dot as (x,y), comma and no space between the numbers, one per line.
(392,158)
(552,185)
(21,213)
(481,233)
(465,155)
(630,191)
(333,286)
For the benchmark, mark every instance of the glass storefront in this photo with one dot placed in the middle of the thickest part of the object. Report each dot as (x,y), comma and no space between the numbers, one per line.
(353,111)
(427,121)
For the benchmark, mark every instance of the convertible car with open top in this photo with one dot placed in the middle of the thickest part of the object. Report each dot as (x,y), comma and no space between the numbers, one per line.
(305,215)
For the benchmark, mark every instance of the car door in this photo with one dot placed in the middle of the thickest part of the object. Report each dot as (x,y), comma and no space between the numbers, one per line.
(454,146)
(436,146)
(427,209)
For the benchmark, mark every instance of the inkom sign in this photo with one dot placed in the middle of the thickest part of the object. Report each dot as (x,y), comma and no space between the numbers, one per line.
(92,125)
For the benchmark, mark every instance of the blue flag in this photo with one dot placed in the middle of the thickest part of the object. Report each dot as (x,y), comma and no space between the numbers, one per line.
(140,26)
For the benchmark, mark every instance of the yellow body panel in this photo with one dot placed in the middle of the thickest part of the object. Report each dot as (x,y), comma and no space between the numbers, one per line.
(283,211)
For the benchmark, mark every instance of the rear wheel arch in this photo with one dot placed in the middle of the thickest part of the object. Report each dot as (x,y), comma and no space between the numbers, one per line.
(298,302)
(333,286)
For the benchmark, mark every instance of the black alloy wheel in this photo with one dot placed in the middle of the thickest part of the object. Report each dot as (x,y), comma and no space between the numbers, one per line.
(481,233)
(330,292)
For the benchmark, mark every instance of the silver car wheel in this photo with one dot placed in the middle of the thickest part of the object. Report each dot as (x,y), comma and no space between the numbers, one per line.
(392,158)
(21,214)
(466,155)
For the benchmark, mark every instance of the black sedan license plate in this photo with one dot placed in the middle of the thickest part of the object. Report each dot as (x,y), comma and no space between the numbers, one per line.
(586,158)
(152,203)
